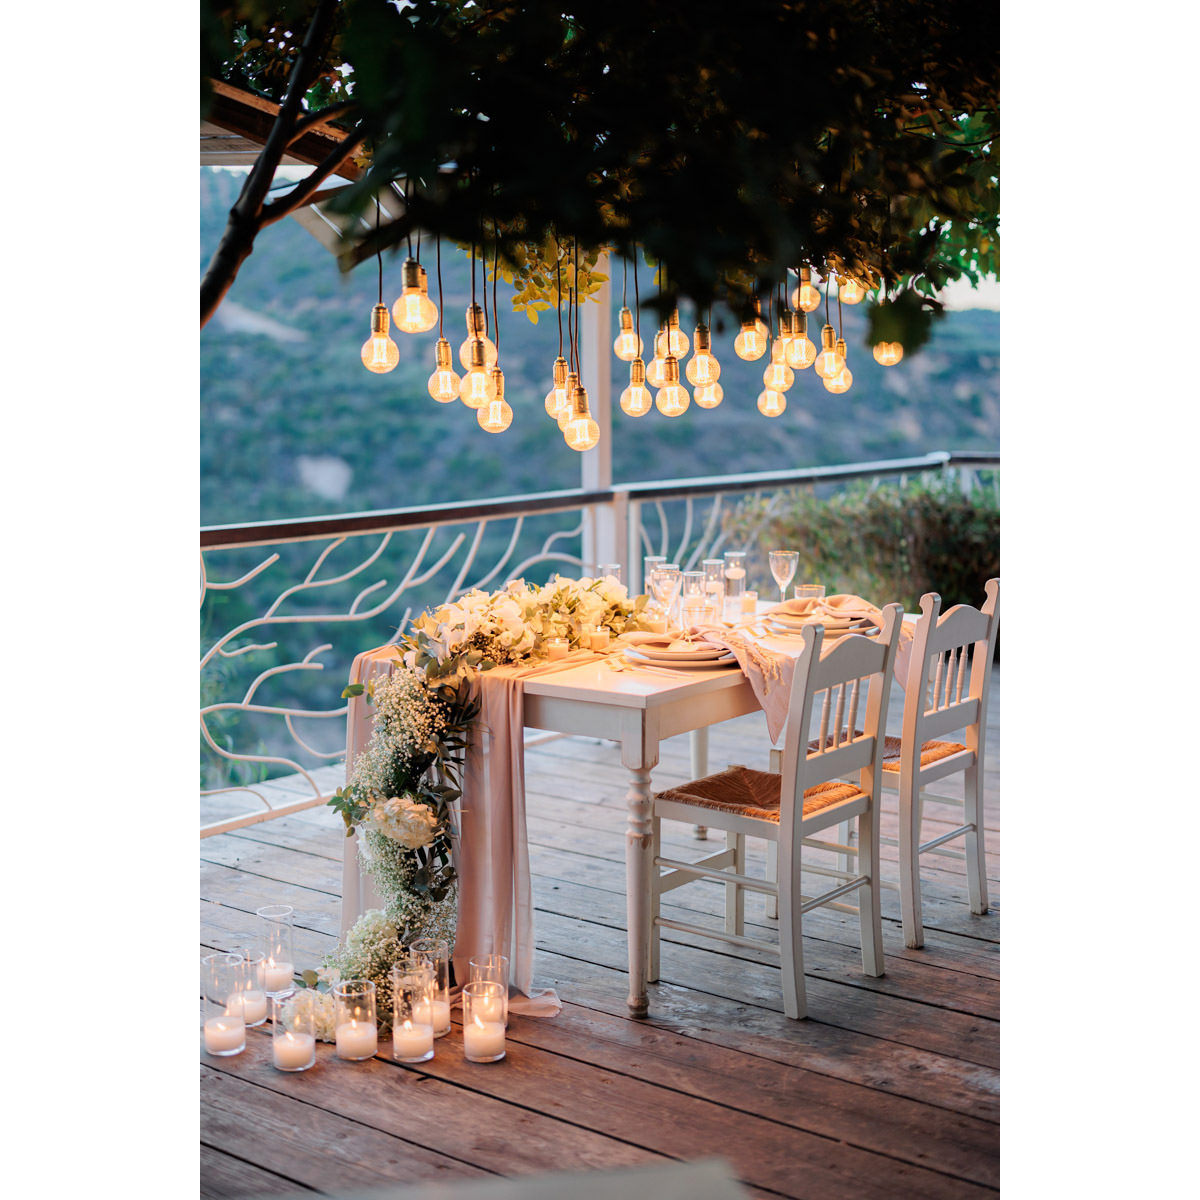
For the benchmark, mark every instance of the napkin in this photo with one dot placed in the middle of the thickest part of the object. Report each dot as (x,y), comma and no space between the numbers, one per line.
(796,608)
(697,640)
(769,674)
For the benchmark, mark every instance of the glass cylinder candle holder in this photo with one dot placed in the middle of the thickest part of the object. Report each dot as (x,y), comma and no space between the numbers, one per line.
(734,575)
(714,581)
(223,976)
(356,1030)
(250,1001)
(277,970)
(809,591)
(649,562)
(436,954)
(492,968)
(556,648)
(483,1034)
(606,570)
(294,1030)
(412,1011)
(749,603)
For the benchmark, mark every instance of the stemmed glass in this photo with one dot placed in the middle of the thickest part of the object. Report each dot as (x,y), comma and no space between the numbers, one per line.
(665,582)
(783,567)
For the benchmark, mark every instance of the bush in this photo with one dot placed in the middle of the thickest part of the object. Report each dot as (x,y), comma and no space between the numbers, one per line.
(885,543)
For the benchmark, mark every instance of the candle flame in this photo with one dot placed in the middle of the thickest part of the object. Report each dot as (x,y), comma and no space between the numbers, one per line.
(407,1026)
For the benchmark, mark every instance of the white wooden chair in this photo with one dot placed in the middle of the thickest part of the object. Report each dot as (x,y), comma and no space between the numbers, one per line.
(949,678)
(802,794)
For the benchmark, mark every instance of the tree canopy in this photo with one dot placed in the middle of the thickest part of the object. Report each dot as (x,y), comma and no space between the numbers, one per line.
(730,143)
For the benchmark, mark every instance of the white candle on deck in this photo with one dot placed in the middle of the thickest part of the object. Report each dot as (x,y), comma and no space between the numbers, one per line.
(275,977)
(483,1040)
(251,1006)
(412,1041)
(439,1017)
(357,1039)
(294,1051)
(489,1008)
(557,648)
(224,1035)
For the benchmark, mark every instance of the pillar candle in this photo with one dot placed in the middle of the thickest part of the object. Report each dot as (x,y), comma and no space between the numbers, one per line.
(251,1006)
(294,1051)
(439,1017)
(412,1042)
(224,1035)
(275,977)
(357,1039)
(483,1040)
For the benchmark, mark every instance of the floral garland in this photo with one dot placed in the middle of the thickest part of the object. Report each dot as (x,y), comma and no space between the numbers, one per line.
(405,782)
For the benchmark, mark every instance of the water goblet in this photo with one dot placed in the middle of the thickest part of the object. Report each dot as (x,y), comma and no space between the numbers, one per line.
(665,582)
(783,568)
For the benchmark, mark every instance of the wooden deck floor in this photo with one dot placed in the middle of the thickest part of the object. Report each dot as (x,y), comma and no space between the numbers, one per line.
(889,1089)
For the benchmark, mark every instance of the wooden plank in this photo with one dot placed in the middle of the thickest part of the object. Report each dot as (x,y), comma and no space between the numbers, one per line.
(224,1177)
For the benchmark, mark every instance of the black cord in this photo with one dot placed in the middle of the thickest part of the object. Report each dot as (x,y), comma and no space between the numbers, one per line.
(495,315)
(378,251)
(441,302)
(637,304)
(558,291)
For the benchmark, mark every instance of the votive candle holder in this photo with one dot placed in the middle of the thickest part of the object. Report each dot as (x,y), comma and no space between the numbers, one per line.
(356,1026)
(436,953)
(412,1011)
(250,999)
(223,976)
(277,971)
(492,968)
(483,1034)
(294,1030)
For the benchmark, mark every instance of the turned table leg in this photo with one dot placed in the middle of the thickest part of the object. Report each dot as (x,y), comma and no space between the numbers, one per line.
(638,866)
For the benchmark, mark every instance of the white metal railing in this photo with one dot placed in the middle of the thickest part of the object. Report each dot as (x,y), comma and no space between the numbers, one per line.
(286,605)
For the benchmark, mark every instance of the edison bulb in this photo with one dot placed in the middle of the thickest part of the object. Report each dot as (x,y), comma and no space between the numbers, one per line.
(751,341)
(709,396)
(656,372)
(476,325)
(379,353)
(671,339)
(887,354)
(800,352)
(829,362)
(778,376)
(444,382)
(850,291)
(840,380)
(703,370)
(580,432)
(805,297)
(672,399)
(627,346)
(496,415)
(558,398)
(636,400)
(564,414)
(771,403)
(477,386)
(413,311)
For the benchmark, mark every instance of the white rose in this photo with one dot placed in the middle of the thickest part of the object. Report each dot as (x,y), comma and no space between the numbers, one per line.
(404,820)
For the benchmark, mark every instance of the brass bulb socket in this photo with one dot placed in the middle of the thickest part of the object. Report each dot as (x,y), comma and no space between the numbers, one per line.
(498,382)
(579,403)
(424,283)
(411,273)
(673,320)
(828,337)
(800,324)
(637,373)
(560,372)
(703,339)
(443,354)
(478,357)
(379,320)
(475,321)
(805,275)
(841,347)
(670,370)
(625,317)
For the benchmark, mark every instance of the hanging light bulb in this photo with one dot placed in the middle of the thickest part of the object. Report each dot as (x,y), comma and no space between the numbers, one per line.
(703,370)
(656,372)
(751,341)
(580,431)
(671,339)
(636,400)
(771,403)
(850,291)
(413,311)
(475,332)
(443,383)
(805,297)
(564,414)
(672,399)
(627,345)
(496,414)
(379,353)
(709,395)
(887,354)
(778,376)
(477,387)
(558,398)
(829,362)
(841,380)
(800,351)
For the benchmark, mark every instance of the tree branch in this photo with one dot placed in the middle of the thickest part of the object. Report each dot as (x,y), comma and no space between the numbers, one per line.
(300,195)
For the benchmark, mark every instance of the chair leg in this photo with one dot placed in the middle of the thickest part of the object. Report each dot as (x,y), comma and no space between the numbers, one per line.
(844,835)
(735,894)
(791,949)
(772,877)
(870,922)
(652,942)
(975,847)
(910,863)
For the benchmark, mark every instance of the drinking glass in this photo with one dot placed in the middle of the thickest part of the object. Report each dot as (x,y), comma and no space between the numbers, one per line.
(276,971)
(665,582)
(783,568)
(809,591)
(294,1031)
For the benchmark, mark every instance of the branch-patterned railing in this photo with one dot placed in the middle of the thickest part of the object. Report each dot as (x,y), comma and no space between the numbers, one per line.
(285,605)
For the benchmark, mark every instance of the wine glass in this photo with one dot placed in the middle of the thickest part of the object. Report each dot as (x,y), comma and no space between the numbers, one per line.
(665,582)
(783,567)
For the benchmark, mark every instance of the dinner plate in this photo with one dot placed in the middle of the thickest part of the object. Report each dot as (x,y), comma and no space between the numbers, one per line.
(663,654)
(801,622)
(680,664)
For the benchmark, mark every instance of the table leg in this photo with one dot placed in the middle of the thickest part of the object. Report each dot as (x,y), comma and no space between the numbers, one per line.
(638,865)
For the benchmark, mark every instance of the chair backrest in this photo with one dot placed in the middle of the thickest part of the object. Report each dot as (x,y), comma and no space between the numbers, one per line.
(950,671)
(832,685)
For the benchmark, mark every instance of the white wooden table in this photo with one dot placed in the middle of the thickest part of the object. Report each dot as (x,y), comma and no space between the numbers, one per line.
(638,710)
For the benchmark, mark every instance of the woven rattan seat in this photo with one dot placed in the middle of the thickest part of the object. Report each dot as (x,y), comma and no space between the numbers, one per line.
(750,793)
(931,752)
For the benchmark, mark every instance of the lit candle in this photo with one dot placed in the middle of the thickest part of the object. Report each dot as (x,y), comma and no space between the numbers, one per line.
(483,1041)
(557,648)
(490,1008)
(749,602)
(275,977)
(654,623)
(251,1006)
(357,1039)
(412,1042)
(294,1051)
(224,1035)
(439,1017)
(599,639)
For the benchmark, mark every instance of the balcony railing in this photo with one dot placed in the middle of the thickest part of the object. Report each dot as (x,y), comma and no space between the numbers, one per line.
(286,605)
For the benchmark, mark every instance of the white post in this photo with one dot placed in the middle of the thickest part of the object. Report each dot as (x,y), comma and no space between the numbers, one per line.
(601,539)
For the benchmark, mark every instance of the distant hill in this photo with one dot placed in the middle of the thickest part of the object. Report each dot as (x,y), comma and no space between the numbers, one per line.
(292,425)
